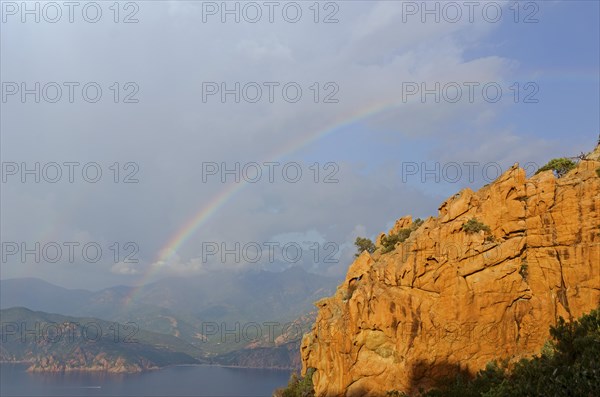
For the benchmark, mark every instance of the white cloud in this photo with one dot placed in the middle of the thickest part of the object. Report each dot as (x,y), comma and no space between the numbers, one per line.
(124,269)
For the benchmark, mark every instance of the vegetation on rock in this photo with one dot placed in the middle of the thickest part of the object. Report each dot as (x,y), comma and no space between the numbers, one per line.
(298,386)
(559,166)
(389,241)
(490,238)
(475,226)
(363,244)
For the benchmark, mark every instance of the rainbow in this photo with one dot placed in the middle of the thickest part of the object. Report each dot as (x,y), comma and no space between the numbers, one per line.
(171,247)
(204,213)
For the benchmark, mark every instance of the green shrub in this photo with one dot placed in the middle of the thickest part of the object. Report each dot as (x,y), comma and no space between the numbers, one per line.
(389,242)
(298,386)
(474,226)
(598,171)
(559,166)
(490,238)
(363,244)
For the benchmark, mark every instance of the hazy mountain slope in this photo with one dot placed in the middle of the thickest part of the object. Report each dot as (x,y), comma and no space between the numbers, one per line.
(218,296)
(248,296)
(37,294)
(187,307)
(280,351)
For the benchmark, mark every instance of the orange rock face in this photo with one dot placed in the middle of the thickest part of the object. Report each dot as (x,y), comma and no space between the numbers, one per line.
(446,300)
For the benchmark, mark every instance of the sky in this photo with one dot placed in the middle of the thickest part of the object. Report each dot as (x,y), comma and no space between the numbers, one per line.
(124,129)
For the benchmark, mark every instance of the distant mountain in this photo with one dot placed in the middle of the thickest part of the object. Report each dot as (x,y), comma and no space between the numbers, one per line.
(52,342)
(283,351)
(248,296)
(41,295)
(185,307)
(284,356)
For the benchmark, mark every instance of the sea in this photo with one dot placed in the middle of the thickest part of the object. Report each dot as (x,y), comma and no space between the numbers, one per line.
(188,380)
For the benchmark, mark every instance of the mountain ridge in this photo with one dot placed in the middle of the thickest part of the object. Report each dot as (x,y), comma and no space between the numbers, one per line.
(184,308)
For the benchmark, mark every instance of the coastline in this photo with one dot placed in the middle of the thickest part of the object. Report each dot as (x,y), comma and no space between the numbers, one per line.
(107,371)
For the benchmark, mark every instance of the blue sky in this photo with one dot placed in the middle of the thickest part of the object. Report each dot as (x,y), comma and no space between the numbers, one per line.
(565,54)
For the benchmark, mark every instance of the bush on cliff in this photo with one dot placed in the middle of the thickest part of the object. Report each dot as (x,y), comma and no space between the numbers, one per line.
(389,242)
(474,226)
(363,244)
(298,386)
(559,166)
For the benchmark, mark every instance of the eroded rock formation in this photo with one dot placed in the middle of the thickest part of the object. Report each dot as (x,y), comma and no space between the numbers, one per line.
(446,300)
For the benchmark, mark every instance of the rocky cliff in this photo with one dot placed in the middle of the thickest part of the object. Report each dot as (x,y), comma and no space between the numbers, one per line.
(451,298)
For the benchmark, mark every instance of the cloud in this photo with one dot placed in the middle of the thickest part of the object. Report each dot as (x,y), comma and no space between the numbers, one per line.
(172,131)
(267,50)
(124,269)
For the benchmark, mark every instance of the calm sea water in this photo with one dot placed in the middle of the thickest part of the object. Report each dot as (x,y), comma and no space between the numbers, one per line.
(172,381)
